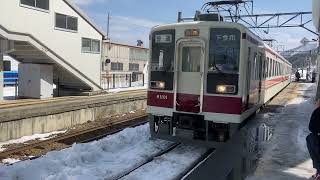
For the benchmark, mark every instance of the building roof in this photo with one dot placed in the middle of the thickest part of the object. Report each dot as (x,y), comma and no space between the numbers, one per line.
(84,16)
(127,45)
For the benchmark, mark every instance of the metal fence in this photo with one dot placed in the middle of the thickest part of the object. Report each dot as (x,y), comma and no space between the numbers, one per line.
(114,81)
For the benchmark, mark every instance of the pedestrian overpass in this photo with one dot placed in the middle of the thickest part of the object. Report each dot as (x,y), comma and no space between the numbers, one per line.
(57,35)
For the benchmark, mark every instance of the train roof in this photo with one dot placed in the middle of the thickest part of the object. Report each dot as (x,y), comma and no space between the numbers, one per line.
(261,43)
(272,51)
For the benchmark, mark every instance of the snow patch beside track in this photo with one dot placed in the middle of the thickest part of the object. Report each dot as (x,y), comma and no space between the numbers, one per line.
(102,159)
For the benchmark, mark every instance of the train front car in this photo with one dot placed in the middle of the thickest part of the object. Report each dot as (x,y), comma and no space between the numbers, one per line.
(197,87)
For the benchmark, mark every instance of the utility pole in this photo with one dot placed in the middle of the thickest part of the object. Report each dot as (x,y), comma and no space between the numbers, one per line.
(108,25)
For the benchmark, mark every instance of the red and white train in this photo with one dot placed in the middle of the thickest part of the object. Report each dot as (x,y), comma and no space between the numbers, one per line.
(207,77)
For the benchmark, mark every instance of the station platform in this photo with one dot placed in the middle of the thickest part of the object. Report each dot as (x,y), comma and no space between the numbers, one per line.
(25,117)
(285,155)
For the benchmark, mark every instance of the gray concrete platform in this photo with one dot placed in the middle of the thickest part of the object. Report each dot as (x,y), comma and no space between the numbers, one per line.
(28,117)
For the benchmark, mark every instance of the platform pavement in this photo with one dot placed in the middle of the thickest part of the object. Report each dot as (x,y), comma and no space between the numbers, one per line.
(286,155)
(26,118)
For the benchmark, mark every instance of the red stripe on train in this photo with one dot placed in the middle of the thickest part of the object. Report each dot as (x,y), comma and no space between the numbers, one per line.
(189,102)
(220,104)
(160,99)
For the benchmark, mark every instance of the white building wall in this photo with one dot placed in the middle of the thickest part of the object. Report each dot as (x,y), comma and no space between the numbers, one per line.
(41,25)
(121,53)
(116,53)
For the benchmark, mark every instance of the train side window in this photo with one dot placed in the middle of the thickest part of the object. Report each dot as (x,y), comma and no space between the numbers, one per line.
(270,67)
(263,66)
(273,68)
(277,69)
(191,59)
(267,66)
(255,66)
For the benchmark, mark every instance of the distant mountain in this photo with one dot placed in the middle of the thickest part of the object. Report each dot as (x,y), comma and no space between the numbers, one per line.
(300,50)
(299,54)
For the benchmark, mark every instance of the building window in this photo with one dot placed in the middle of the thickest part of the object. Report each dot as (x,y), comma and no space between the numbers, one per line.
(39,4)
(133,67)
(6,65)
(116,66)
(138,54)
(90,45)
(66,22)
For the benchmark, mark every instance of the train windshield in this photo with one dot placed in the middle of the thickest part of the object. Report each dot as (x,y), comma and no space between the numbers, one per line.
(224,53)
(163,48)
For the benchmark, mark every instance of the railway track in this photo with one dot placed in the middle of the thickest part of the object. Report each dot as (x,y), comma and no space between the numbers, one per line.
(28,102)
(169,149)
(124,174)
(68,139)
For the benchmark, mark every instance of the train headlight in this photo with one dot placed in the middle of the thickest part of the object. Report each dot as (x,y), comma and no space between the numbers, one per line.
(226,89)
(157,84)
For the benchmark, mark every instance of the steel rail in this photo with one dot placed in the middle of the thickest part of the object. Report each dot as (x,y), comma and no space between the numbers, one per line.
(126,173)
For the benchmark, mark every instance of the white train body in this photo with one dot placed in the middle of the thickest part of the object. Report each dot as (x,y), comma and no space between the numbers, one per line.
(207,77)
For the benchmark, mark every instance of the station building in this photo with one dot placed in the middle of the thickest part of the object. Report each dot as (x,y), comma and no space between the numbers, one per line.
(54,43)
(123,58)
(123,65)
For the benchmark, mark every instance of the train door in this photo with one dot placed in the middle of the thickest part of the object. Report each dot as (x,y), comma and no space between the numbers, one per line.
(260,76)
(189,90)
(248,77)
(259,66)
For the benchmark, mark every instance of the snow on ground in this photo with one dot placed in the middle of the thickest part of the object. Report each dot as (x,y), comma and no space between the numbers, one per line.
(10,161)
(126,89)
(286,155)
(24,139)
(169,165)
(103,159)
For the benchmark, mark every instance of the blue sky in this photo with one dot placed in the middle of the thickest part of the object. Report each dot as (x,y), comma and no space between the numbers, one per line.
(132,19)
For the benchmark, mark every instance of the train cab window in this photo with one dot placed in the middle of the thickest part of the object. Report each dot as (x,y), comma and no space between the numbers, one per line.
(163,48)
(162,58)
(224,52)
(224,58)
(191,59)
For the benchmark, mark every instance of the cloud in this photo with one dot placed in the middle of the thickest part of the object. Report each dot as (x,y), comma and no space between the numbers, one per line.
(126,29)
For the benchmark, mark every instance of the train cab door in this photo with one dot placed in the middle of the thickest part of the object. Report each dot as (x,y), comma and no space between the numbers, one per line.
(189,80)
